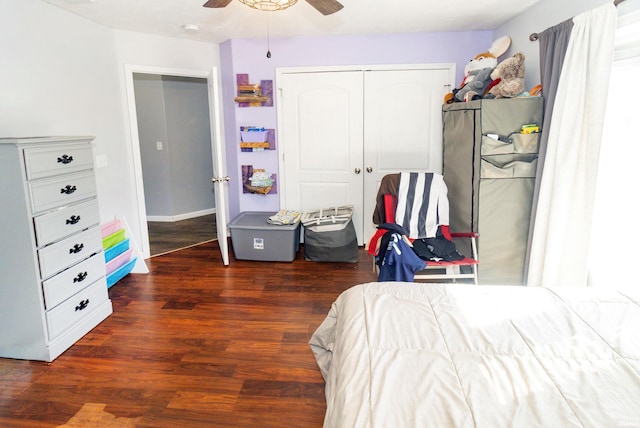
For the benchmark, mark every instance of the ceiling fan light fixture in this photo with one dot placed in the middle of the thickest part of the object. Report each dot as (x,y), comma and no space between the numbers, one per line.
(269,5)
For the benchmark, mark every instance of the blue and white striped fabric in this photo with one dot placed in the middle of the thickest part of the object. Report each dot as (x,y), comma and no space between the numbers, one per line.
(422,204)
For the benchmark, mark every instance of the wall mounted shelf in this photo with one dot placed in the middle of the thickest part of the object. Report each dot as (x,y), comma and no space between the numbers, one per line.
(248,186)
(251,94)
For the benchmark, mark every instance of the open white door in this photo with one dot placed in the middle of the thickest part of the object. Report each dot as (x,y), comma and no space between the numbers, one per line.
(220,178)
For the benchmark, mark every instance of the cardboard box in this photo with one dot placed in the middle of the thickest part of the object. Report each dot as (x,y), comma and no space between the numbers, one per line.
(254,238)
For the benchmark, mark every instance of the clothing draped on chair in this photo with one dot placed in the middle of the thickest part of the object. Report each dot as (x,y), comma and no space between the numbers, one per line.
(422,204)
(560,240)
(412,214)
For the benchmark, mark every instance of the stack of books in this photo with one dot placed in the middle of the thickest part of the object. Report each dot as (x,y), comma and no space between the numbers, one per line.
(249,90)
(250,94)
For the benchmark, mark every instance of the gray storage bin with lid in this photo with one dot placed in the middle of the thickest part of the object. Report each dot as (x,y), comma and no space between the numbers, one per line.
(254,238)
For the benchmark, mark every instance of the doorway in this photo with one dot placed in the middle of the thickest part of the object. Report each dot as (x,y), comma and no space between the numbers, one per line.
(215,183)
(175,148)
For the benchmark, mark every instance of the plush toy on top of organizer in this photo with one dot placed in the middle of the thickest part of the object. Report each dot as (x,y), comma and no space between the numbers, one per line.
(477,73)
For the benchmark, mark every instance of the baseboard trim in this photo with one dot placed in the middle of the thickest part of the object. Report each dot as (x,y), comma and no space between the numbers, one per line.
(179,217)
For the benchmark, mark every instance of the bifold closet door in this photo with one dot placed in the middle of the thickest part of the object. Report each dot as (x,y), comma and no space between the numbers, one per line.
(402,126)
(321,134)
(342,131)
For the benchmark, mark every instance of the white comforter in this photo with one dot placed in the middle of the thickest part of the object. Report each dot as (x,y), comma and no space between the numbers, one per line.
(397,355)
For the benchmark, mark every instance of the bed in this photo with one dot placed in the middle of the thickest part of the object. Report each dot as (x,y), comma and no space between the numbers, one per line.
(397,354)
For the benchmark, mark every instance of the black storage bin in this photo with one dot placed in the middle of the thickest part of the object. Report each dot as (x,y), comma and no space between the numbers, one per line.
(330,236)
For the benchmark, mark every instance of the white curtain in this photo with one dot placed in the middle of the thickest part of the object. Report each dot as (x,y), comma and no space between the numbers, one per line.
(560,243)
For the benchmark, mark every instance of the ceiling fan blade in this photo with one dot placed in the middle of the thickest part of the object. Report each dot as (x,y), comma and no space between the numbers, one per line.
(326,7)
(216,3)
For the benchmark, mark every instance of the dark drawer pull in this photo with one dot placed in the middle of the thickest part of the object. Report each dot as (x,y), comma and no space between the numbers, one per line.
(81,277)
(68,189)
(83,304)
(73,219)
(65,159)
(76,248)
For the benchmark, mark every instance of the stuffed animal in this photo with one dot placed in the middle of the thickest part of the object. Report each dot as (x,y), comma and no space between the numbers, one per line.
(509,75)
(477,73)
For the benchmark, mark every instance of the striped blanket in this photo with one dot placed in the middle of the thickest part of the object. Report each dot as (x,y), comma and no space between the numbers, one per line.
(422,204)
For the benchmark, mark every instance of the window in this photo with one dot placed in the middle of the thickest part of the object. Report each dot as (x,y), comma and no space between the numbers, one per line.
(615,222)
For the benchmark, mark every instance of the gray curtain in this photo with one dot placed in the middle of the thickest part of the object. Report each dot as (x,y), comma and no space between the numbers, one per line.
(553,44)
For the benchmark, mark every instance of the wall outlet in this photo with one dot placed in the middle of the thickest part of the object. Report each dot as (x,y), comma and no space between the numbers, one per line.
(159,145)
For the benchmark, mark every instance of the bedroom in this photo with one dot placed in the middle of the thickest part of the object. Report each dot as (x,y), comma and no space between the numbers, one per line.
(62,83)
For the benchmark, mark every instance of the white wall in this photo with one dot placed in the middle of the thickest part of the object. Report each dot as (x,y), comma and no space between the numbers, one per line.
(538,18)
(57,73)
(61,74)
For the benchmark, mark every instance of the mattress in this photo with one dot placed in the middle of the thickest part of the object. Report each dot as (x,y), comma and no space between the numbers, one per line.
(434,355)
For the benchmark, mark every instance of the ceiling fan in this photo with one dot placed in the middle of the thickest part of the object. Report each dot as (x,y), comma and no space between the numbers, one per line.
(325,7)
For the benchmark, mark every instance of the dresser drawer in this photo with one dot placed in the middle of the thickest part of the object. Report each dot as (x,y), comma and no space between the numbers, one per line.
(57,257)
(72,280)
(57,224)
(47,194)
(43,162)
(75,308)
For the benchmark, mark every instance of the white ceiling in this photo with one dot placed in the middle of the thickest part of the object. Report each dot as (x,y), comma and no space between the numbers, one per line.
(168,17)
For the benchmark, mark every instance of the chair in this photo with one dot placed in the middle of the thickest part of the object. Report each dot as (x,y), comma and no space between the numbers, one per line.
(433,215)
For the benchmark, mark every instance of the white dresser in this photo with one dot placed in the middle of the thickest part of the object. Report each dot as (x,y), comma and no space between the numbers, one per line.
(52,271)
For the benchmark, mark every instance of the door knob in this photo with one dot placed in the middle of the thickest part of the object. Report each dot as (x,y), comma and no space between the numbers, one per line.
(357,170)
(369,169)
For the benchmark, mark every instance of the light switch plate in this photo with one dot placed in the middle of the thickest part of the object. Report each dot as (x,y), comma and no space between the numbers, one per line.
(101,161)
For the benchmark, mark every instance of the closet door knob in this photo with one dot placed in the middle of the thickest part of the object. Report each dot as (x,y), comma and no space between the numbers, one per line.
(369,169)
(357,170)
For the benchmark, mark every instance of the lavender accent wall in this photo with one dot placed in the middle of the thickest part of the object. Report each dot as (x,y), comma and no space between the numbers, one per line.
(249,56)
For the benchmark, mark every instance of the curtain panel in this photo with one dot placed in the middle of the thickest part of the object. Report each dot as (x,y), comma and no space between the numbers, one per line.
(560,240)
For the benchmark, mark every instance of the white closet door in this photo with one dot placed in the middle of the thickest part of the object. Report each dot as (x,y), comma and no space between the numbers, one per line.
(320,126)
(403,126)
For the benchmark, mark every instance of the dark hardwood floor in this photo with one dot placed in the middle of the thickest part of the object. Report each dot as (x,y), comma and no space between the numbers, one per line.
(165,237)
(191,344)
